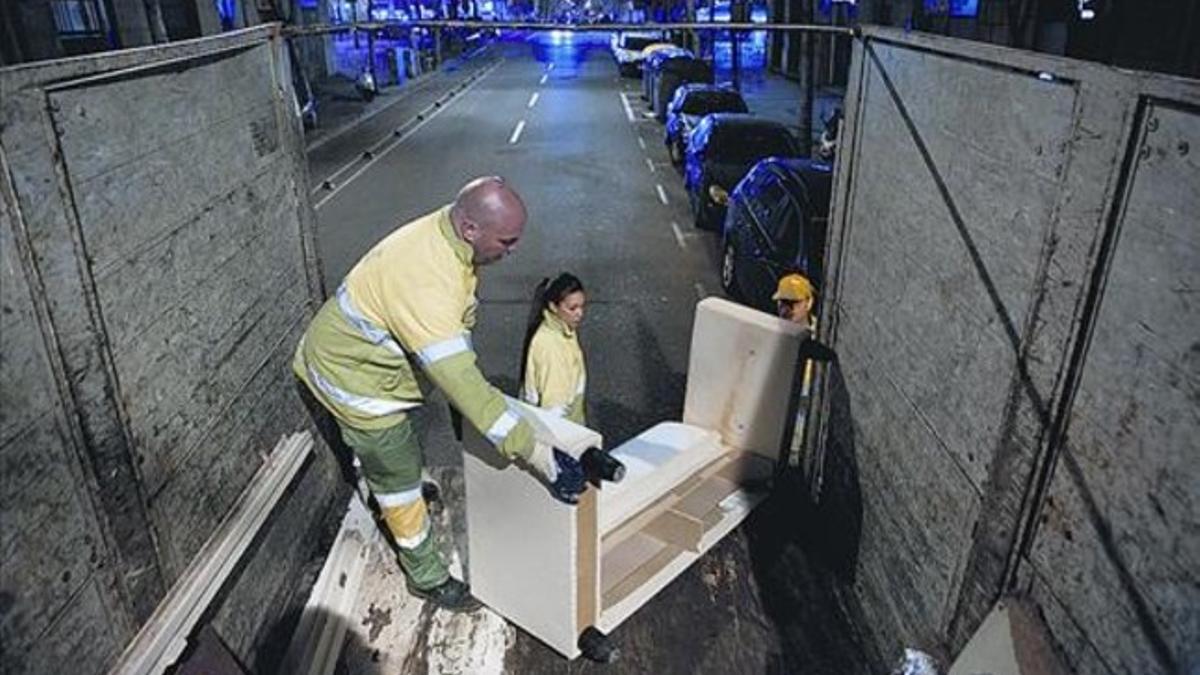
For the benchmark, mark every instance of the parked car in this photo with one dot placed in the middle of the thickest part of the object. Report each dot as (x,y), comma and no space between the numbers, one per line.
(650,67)
(628,50)
(721,150)
(674,73)
(776,224)
(692,102)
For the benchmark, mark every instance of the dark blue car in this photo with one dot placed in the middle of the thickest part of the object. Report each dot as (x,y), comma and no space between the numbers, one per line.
(721,150)
(691,103)
(775,225)
(651,68)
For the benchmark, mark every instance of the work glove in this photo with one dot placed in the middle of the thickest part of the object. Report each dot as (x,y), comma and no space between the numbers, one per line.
(563,473)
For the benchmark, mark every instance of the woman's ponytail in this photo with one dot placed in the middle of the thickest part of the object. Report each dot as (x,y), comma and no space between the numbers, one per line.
(532,323)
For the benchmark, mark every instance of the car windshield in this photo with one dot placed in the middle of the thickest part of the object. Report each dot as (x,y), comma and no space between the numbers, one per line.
(638,43)
(705,102)
(748,144)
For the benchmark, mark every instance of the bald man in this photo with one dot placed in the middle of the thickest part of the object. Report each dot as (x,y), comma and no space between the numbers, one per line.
(411,301)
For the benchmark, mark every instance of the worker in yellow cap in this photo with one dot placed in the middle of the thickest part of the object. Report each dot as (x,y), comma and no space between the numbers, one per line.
(410,303)
(794,299)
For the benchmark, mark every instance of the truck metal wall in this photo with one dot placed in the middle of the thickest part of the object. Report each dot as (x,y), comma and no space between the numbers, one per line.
(159,268)
(979,197)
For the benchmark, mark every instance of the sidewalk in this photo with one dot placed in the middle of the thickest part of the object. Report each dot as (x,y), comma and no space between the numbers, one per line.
(776,97)
(339,106)
(348,126)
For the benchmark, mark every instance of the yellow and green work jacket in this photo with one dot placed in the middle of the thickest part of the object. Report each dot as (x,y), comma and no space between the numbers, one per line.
(410,299)
(555,375)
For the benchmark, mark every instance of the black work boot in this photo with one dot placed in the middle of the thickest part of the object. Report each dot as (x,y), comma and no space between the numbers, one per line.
(451,595)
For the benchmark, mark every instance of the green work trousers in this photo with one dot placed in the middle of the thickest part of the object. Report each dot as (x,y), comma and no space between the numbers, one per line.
(391,466)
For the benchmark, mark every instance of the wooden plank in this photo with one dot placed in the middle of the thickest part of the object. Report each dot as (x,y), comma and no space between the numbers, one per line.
(677,529)
(740,371)
(327,615)
(656,461)
(630,564)
(270,591)
(587,606)
(699,502)
(163,638)
(667,501)
(733,513)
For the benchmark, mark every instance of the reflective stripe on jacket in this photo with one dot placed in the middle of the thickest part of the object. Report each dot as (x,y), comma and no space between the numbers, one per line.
(410,299)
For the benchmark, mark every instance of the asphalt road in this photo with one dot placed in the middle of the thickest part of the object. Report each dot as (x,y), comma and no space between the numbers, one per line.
(605,204)
(596,202)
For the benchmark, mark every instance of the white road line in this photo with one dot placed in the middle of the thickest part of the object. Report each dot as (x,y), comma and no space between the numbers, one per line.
(415,128)
(550,66)
(662,194)
(533,99)
(642,142)
(516,134)
(678,235)
(628,108)
(650,163)
(544,78)
(701,293)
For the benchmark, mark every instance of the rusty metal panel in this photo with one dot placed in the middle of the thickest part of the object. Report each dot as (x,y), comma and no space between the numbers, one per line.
(52,552)
(945,222)
(163,205)
(187,218)
(974,194)
(1117,546)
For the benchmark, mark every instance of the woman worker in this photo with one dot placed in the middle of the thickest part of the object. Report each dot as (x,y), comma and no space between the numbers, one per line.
(553,374)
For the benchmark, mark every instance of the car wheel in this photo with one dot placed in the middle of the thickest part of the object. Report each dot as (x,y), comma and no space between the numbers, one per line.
(729,271)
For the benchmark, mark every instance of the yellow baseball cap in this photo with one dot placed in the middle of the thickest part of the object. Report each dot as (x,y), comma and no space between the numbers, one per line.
(794,287)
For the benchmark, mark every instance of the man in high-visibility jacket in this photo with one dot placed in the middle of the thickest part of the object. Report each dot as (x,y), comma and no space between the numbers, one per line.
(411,300)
